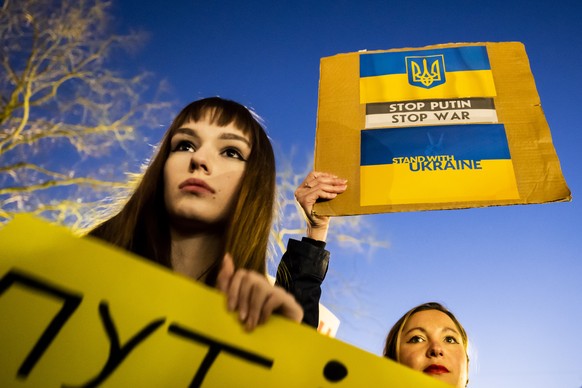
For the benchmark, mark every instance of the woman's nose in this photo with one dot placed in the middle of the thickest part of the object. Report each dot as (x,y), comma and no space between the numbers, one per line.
(200,161)
(435,350)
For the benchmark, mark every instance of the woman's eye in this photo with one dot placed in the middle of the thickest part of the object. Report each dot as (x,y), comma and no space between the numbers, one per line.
(184,145)
(415,340)
(233,153)
(451,340)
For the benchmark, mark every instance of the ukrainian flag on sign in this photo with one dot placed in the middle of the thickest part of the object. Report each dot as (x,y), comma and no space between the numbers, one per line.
(426,74)
(438,164)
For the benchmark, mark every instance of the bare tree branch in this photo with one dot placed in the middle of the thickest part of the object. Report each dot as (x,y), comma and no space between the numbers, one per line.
(57,90)
(95,183)
(31,166)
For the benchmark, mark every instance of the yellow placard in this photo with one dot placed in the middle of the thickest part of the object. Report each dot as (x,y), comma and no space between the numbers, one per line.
(77,312)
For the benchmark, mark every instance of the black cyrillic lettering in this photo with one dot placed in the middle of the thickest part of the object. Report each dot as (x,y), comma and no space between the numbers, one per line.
(215,347)
(71,302)
(118,353)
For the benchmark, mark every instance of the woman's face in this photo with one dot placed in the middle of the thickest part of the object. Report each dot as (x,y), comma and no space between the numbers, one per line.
(203,172)
(431,343)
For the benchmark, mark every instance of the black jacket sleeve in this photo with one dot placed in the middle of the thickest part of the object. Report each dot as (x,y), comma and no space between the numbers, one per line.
(301,272)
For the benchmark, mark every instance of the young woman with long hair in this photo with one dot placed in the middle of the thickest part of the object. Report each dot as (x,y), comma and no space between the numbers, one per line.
(204,207)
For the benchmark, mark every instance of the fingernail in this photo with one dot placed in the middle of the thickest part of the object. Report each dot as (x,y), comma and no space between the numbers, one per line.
(242,315)
(249,326)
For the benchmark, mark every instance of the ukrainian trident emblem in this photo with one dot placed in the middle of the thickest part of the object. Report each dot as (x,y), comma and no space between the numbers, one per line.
(426,72)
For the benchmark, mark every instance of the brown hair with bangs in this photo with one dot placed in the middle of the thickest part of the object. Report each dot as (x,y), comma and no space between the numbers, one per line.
(142,226)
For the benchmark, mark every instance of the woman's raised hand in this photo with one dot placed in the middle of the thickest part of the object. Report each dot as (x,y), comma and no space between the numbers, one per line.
(318,186)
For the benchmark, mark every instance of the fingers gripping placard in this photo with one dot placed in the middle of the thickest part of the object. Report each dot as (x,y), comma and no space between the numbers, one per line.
(78,313)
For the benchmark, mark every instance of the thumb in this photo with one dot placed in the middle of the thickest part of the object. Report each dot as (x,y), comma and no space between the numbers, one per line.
(225,274)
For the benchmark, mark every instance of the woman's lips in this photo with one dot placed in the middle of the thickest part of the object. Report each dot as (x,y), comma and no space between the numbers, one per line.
(194,185)
(435,369)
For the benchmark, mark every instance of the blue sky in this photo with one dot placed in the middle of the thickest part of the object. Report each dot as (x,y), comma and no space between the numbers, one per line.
(511,274)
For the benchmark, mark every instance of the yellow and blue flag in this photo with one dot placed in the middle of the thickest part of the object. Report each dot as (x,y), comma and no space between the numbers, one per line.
(436,164)
(456,72)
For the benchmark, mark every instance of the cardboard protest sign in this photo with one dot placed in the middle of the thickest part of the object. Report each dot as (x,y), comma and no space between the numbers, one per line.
(77,312)
(439,127)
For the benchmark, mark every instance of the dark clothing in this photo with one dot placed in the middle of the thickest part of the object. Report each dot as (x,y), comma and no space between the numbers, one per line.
(301,272)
